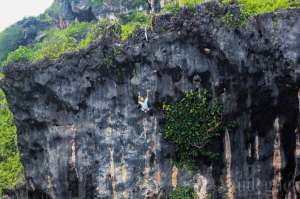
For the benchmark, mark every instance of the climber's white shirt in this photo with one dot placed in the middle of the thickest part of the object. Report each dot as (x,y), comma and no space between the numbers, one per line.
(144,105)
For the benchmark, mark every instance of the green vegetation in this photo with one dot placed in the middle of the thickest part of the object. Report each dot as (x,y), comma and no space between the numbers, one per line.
(59,41)
(256,7)
(183,193)
(81,34)
(19,34)
(251,8)
(294,3)
(76,36)
(97,29)
(174,6)
(56,43)
(193,124)
(133,21)
(10,166)
(21,54)
(9,40)
(231,20)
(111,55)
(190,3)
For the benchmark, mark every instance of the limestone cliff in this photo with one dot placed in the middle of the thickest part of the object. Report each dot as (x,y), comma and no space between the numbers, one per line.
(82,135)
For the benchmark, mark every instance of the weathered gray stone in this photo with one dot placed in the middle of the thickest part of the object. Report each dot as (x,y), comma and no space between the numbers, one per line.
(82,135)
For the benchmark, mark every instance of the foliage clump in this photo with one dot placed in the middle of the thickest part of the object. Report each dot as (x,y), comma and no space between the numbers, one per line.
(10,165)
(294,3)
(97,29)
(190,3)
(251,8)
(134,20)
(76,36)
(57,42)
(174,6)
(183,193)
(193,124)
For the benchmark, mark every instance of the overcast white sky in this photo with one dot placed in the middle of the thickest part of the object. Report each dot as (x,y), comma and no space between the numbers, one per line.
(12,11)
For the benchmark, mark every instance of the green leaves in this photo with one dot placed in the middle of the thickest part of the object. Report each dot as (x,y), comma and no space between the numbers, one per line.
(250,8)
(10,166)
(56,42)
(255,7)
(174,6)
(21,54)
(183,193)
(135,20)
(193,123)
(294,3)
(190,3)
(76,36)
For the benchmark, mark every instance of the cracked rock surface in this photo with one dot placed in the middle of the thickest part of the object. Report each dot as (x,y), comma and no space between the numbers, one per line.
(82,135)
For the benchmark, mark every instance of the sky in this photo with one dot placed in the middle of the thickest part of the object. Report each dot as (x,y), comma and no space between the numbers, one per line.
(12,11)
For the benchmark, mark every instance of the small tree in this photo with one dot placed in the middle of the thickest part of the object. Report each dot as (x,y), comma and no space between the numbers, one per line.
(193,124)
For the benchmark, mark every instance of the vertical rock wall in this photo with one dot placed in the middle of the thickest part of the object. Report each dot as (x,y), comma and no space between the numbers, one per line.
(82,135)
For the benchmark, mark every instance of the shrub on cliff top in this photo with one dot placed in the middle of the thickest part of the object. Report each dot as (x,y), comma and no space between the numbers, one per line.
(174,6)
(250,8)
(256,7)
(97,29)
(134,20)
(192,124)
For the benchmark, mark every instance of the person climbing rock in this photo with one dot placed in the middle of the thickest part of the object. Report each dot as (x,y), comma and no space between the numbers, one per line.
(143,102)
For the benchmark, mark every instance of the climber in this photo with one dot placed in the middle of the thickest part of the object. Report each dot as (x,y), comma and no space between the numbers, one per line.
(143,102)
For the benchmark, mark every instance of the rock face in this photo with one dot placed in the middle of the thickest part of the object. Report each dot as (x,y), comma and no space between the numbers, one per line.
(87,10)
(82,135)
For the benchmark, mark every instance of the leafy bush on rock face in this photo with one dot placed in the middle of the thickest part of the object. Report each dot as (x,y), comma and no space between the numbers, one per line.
(183,193)
(193,124)
(10,166)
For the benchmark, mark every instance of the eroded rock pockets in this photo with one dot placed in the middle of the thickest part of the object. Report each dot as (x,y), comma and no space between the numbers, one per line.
(82,134)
